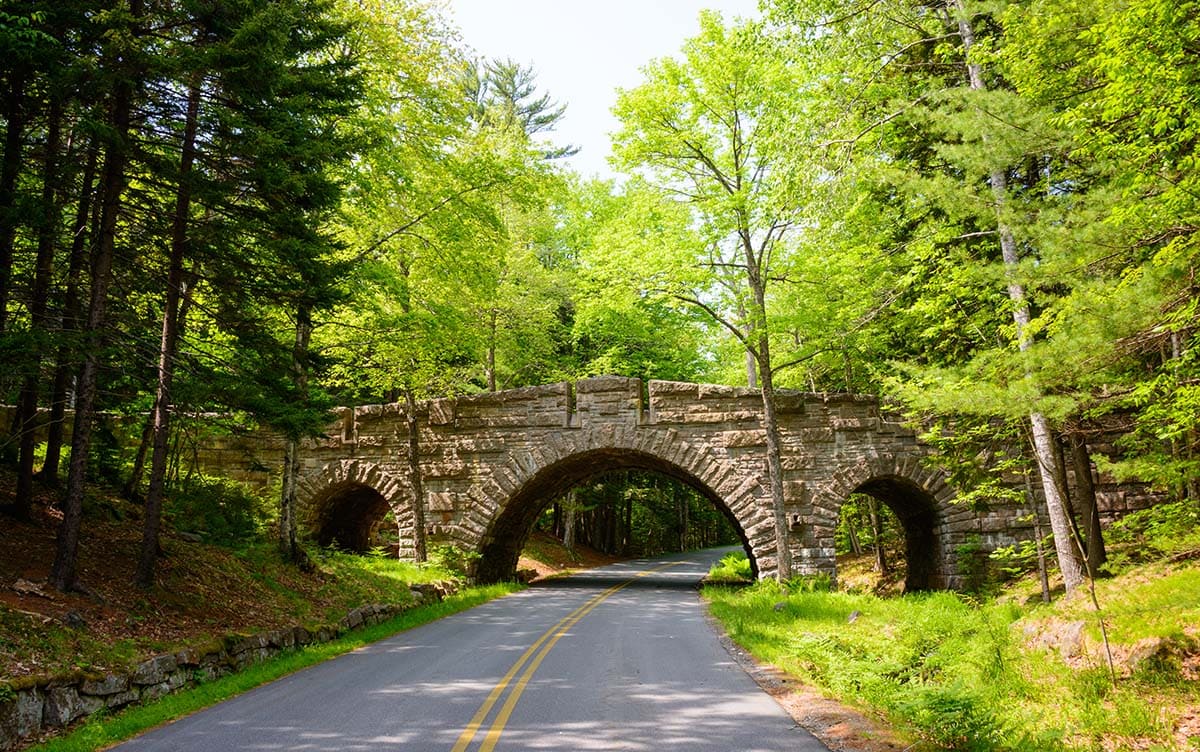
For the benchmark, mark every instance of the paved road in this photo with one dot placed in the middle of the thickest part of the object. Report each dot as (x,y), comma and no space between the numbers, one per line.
(620,657)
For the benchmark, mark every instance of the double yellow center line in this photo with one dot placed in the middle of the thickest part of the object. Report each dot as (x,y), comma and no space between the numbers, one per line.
(537,652)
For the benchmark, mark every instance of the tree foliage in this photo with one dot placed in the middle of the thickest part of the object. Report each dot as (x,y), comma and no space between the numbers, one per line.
(986,211)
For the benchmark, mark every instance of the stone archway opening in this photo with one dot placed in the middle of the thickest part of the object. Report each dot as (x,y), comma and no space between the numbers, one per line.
(897,521)
(595,471)
(349,516)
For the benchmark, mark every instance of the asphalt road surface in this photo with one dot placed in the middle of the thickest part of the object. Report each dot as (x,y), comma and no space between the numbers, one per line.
(617,658)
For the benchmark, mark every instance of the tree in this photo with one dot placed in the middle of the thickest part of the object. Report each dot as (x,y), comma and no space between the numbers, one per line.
(125,59)
(503,96)
(974,182)
(1109,74)
(1048,459)
(696,127)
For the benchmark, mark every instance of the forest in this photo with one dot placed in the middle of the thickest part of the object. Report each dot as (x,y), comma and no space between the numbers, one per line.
(985,212)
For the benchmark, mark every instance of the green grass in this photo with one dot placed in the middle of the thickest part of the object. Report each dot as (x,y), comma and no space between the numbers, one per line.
(279,594)
(1156,600)
(104,730)
(953,673)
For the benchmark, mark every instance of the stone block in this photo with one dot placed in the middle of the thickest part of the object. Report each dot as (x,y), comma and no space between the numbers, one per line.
(154,691)
(65,704)
(743,438)
(281,638)
(154,670)
(441,412)
(109,685)
(21,717)
(247,644)
(621,385)
(441,501)
(121,699)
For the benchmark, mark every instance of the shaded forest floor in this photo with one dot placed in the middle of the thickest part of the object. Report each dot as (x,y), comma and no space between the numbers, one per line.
(202,591)
(546,556)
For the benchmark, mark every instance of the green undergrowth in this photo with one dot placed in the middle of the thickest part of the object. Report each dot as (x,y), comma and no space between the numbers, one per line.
(204,592)
(733,567)
(956,673)
(102,730)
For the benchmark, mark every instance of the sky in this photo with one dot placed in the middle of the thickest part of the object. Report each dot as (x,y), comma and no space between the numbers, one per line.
(583,50)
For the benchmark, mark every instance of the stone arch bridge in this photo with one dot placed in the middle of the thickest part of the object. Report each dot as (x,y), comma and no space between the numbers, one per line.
(490,463)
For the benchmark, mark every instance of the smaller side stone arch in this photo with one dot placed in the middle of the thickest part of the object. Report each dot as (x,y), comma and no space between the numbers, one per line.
(344,501)
(922,499)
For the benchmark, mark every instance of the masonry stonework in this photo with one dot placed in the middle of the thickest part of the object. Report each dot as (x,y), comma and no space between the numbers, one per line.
(491,462)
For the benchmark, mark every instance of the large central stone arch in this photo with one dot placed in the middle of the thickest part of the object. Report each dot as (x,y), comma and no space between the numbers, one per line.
(534,478)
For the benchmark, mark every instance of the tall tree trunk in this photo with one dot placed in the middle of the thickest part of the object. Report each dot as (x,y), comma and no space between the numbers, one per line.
(10,168)
(65,356)
(751,371)
(1070,563)
(610,531)
(758,336)
(491,351)
(1087,507)
(64,570)
(39,304)
(168,343)
(414,475)
(131,491)
(569,524)
(881,564)
(774,465)
(852,521)
(1043,574)
(627,543)
(289,547)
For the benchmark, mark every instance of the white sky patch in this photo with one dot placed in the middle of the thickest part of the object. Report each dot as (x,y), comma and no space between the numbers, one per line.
(583,50)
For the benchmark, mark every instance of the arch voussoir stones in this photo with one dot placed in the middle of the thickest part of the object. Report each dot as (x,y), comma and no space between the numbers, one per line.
(344,500)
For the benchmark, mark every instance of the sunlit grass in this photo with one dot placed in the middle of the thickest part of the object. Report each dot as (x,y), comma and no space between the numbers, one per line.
(955,673)
(733,567)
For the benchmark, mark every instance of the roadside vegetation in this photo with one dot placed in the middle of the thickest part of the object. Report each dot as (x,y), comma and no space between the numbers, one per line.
(103,730)
(999,669)
(219,217)
(233,584)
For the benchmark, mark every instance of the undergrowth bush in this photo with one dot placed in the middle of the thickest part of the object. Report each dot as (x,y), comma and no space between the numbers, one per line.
(934,662)
(453,559)
(733,567)
(1161,530)
(222,511)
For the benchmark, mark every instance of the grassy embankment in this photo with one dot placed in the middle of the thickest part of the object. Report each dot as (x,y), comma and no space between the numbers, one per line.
(1001,671)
